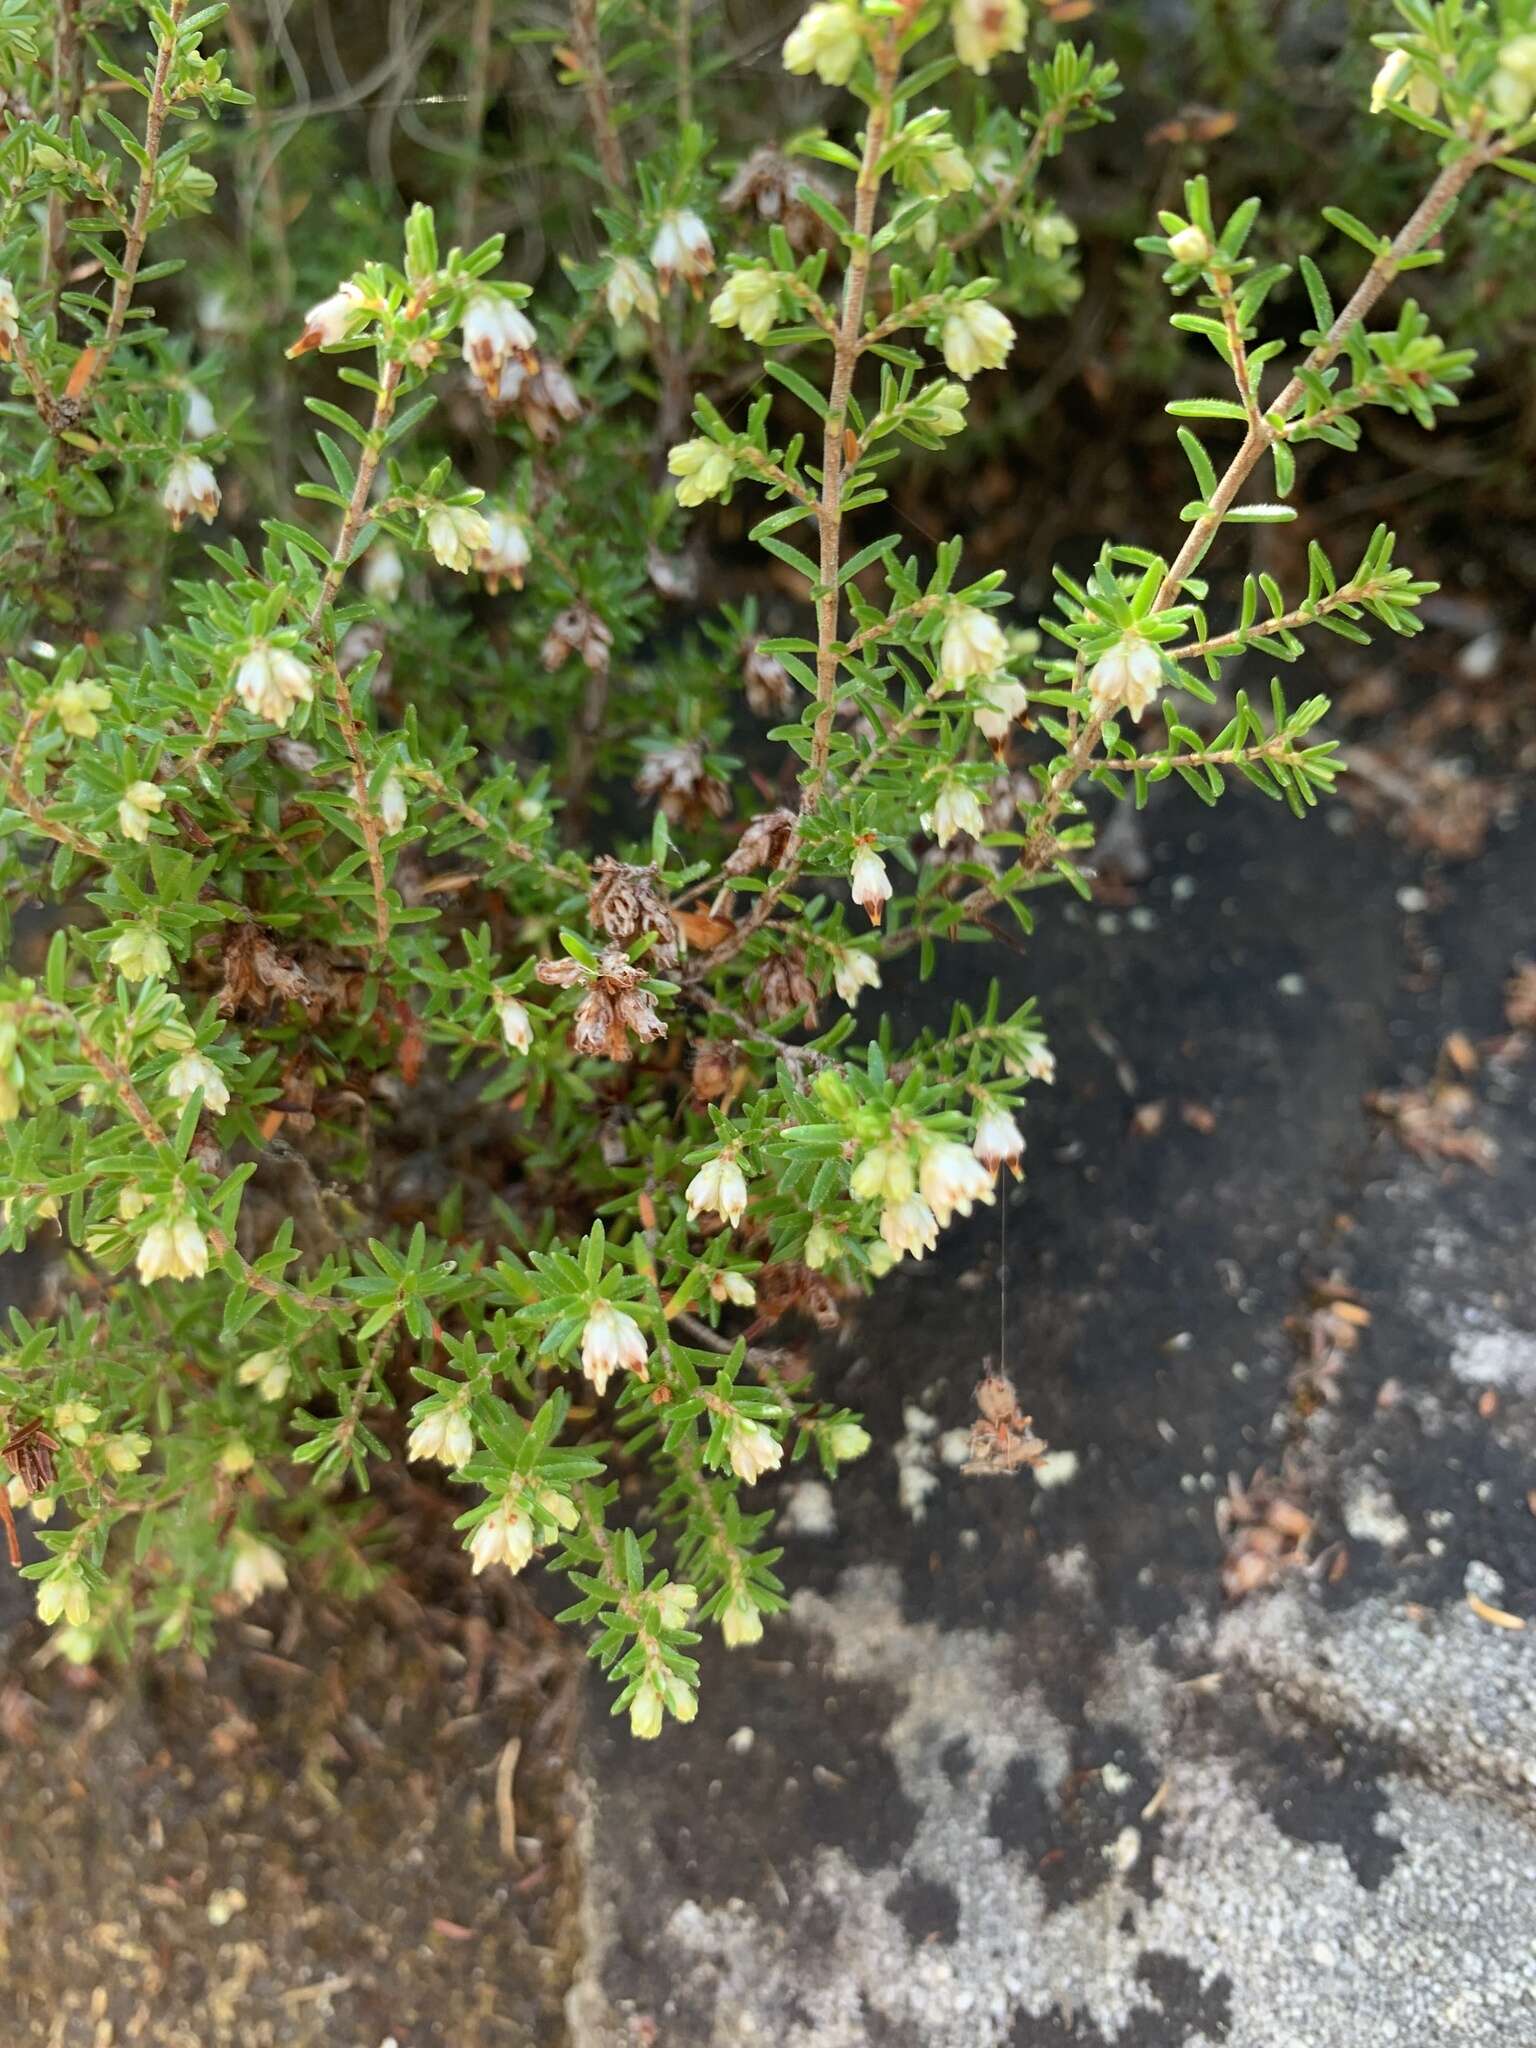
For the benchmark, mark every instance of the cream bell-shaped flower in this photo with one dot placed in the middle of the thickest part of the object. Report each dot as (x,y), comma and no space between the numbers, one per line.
(976,337)
(10,327)
(75,706)
(754,1450)
(506,553)
(1126,677)
(1003,700)
(456,534)
(951,1179)
(139,802)
(719,1188)
(630,289)
(749,299)
(828,40)
(611,1341)
(682,250)
(271,681)
(909,1228)
(139,953)
(268,1372)
(393,808)
(741,1623)
(495,334)
(383,572)
(193,1071)
(883,1174)
(190,486)
(257,1569)
(173,1251)
(445,1435)
(332,319)
(504,1537)
(998,1140)
(871,883)
(985,29)
(703,470)
(955,811)
(853,972)
(973,644)
(65,1597)
(516,1024)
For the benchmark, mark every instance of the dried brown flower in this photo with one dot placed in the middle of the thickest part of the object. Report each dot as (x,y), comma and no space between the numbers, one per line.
(578,630)
(783,985)
(626,901)
(771,184)
(769,686)
(768,842)
(1002,1442)
(676,778)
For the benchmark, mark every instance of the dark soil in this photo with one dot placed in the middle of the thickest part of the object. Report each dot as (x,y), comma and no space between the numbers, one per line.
(348,1826)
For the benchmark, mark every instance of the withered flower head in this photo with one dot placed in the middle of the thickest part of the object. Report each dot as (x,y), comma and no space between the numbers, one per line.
(771,184)
(675,778)
(577,630)
(768,684)
(783,985)
(768,842)
(545,398)
(614,1007)
(626,901)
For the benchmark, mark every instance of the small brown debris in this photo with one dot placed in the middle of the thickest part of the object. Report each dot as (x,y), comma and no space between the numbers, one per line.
(1435,1123)
(1460,1052)
(1494,1616)
(1198,1117)
(1488,1403)
(1520,997)
(1148,1118)
(1002,1442)
(1266,1530)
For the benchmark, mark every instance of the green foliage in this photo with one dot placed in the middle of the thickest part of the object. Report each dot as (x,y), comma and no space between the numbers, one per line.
(423,808)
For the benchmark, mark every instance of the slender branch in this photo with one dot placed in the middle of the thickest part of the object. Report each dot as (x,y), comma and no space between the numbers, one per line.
(1423,222)
(68,89)
(144,199)
(351,525)
(120,1083)
(477,71)
(844,356)
(22,797)
(594,87)
(1012,189)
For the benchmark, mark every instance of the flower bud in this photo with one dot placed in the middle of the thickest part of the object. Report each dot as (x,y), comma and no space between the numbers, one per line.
(193,1071)
(383,572)
(1190,245)
(75,706)
(393,809)
(853,972)
(741,1622)
(846,1441)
